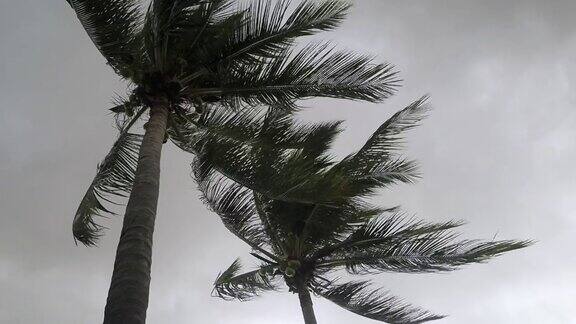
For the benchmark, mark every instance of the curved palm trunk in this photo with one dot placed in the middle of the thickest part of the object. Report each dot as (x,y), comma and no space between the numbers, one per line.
(128,295)
(306,305)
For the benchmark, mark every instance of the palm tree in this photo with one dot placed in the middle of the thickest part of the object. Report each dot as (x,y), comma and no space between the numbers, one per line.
(314,221)
(184,59)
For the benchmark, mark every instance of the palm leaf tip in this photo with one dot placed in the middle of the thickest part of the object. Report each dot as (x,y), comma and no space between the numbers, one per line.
(112,25)
(376,164)
(481,252)
(269,29)
(388,136)
(114,177)
(230,285)
(234,204)
(375,304)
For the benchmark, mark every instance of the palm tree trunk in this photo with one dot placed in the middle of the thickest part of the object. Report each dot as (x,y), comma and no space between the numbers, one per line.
(128,295)
(306,305)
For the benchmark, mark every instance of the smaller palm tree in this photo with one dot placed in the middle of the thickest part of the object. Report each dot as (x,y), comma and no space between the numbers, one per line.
(311,221)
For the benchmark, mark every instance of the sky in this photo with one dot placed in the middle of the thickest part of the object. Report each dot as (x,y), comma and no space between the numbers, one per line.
(497,151)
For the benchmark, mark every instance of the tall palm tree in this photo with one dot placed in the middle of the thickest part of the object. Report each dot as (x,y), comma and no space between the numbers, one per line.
(181,59)
(313,222)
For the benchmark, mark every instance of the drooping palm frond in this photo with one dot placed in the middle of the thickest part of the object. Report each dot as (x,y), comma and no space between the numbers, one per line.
(231,285)
(314,71)
(113,26)
(375,304)
(269,225)
(114,177)
(235,206)
(267,28)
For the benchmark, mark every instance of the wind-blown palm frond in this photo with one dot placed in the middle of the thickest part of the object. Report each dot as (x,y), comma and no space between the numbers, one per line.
(268,29)
(114,177)
(352,184)
(381,146)
(249,58)
(231,285)
(301,176)
(386,138)
(174,28)
(326,225)
(273,127)
(235,206)
(385,230)
(269,179)
(374,304)
(277,150)
(113,26)
(429,253)
(315,70)
(270,128)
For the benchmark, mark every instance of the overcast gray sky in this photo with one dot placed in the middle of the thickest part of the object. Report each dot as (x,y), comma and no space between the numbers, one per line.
(497,151)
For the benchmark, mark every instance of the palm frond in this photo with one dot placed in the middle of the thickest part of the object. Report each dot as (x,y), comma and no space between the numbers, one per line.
(429,253)
(300,175)
(397,226)
(391,172)
(280,156)
(231,285)
(113,26)
(315,71)
(269,225)
(173,28)
(235,206)
(268,127)
(381,146)
(268,28)
(356,184)
(374,304)
(114,177)
(254,127)
(280,180)
(376,231)
(260,158)
(325,225)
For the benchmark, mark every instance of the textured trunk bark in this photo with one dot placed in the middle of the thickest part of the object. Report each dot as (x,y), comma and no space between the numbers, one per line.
(128,295)
(306,305)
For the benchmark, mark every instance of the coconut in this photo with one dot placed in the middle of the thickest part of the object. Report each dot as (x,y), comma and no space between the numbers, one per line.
(294,264)
(289,272)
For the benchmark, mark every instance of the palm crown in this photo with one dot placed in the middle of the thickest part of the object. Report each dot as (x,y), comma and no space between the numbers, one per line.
(308,219)
(190,55)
